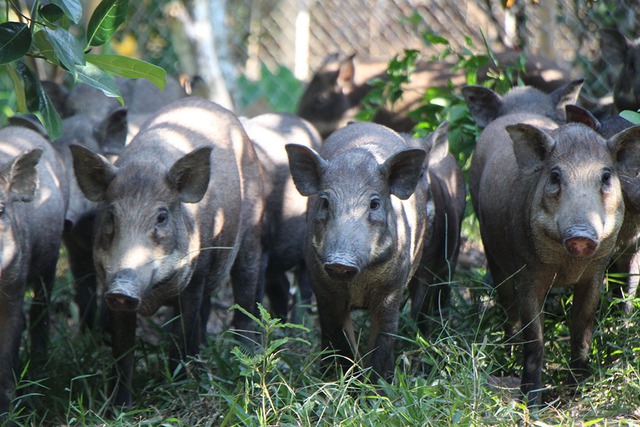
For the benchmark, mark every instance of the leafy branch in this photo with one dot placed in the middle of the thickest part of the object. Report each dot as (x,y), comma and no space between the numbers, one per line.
(48,37)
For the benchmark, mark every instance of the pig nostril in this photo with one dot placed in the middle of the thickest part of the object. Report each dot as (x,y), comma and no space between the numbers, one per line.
(581,246)
(121,302)
(341,271)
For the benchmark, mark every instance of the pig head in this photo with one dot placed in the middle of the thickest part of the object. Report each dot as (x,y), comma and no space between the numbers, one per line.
(619,51)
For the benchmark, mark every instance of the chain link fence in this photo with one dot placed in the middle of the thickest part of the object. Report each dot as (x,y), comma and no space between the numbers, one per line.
(274,45)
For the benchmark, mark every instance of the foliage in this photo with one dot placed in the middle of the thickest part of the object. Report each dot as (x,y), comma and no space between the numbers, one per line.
(48,33)
(279,90)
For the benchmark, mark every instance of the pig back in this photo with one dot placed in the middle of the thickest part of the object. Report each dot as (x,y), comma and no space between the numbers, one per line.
(232,202)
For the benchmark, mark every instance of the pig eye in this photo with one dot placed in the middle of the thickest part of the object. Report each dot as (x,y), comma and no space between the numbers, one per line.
(2,206)
(324,202)
(606,177)
(162,217)
(374,204)
(554,177)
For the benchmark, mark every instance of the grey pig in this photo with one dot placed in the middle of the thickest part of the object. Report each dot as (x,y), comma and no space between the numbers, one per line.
(33,201)
(550,207)
(180,212)
(626,258)
(285,213)
(366,221)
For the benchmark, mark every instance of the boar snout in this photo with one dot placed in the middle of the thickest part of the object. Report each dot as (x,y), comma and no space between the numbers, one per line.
(122,294)
(581,241)
(341,267)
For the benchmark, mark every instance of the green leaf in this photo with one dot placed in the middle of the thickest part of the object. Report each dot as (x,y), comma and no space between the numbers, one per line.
(71,8)
(95,77)
(43,47)
(632,116)
(51,12)
(15,41)
(130,68)
(105,20)
(38,101)
(66,48)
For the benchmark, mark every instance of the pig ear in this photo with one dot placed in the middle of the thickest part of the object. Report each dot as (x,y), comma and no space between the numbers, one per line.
(29,121)
(93,172)
(613,46)
(190,175)
(626,147)
(403,170)
(111,133)
(577,114)
(484,104)
(566,94)
(439,143)
(22,175)
(531,146)
(346,73)
(306,168)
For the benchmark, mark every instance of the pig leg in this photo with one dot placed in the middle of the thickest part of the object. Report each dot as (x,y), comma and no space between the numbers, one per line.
(187,334)
(531,295)
(632,281)
(11,326)
(384,327)
(39,314)
(123,334)
(333,314)
(585,302)
(244,280)
(503,285)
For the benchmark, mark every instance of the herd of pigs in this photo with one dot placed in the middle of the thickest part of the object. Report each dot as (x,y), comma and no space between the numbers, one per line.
(165,201)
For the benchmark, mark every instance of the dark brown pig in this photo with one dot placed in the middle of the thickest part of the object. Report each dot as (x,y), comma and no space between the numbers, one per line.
(284,222)
(550,208)
(365,229)
(33,200)
(180,212)
(446,202)
(618,50)
(626,258)
(335,93)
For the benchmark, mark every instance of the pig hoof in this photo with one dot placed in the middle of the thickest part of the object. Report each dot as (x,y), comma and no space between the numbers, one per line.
(580,246)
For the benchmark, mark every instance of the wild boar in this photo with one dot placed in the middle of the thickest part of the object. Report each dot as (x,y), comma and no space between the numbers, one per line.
(336,91)
(619,51)
(180,212)
(284,221)
(33,200)
(626,257)
(366,221)
(106,137)
(550,206)
(446,202)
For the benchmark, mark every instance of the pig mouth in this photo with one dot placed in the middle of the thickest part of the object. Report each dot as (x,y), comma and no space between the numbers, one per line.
(580,242)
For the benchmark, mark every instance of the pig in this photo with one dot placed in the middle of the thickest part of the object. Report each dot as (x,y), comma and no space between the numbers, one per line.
(626,258)
(284,222)
(33,201)
(366,221)
(335,93)
(618,50)
(180,213)
(550,207)
(105,136)
(446,203)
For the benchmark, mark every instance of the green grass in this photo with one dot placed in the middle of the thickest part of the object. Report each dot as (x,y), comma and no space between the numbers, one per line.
(442,379)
